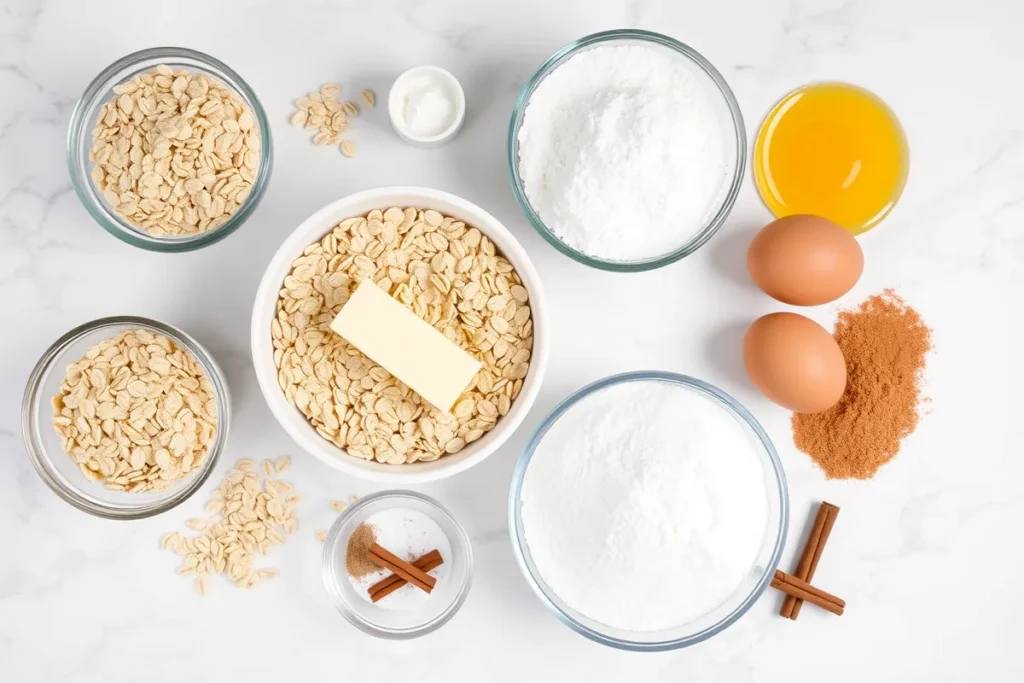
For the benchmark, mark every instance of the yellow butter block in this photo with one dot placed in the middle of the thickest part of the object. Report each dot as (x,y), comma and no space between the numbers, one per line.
(405,345)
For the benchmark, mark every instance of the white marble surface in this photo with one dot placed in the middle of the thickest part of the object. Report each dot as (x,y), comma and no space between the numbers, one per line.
(86,600)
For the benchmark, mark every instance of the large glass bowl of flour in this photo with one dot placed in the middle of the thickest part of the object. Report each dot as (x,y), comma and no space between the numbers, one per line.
(649,511)
(626,150)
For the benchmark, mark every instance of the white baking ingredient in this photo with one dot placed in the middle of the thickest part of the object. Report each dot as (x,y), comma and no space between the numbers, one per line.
(645,506)
(428,107)
(621,153)
(408,534)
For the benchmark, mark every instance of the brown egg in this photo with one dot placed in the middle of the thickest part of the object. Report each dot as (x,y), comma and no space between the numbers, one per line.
(795,362)
(804,260)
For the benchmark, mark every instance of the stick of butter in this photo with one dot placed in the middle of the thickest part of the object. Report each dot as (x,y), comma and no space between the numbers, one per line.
(405,345)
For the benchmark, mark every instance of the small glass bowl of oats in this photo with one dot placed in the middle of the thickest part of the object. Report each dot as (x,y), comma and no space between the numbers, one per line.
(125,417)
(169,149)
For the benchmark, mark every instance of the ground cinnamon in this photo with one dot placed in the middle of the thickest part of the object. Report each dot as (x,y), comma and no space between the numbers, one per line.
(884,342)
(359,543)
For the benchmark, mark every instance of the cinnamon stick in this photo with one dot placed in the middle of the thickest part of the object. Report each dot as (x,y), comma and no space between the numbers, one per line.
(391,588)
(390,584)
(799,593)
(804,586)
(830,521)
(413,575)
(803,568)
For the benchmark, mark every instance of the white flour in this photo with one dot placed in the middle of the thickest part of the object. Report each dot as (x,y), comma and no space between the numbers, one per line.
(621,153)
(644,506)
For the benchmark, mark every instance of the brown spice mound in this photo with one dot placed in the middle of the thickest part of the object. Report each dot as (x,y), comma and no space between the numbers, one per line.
(884,342)
(357,552)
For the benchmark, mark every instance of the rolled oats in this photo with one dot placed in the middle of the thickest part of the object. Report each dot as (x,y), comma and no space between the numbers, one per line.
(175,152)
(137,412)
(248,524)
(447,273)
(321,111)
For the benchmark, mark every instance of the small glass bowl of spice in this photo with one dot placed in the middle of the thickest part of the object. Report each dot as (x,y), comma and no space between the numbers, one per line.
(169,149)
(397,565)
(125,417)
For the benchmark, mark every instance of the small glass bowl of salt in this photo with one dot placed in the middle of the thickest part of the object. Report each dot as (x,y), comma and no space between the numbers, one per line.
(409,525)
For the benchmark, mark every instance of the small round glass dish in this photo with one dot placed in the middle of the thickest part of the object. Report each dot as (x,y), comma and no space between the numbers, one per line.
(834,150)
(56,467)
(726,110)
(429,614)
(80,142)
(727,612)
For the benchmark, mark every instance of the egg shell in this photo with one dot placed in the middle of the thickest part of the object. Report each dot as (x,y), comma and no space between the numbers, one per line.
(804,260)
(795,362)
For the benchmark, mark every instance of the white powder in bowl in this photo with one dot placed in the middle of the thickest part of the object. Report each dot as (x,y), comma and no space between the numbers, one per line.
(645,506)
(621,153)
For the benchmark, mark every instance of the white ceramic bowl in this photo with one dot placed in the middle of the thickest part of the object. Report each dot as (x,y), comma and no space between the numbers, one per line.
(311,230)
(446,80)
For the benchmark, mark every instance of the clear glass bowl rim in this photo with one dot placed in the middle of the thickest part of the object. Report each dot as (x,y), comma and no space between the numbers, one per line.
(739,131)
(515,509)
(81,126)
(329,571)
(37,453)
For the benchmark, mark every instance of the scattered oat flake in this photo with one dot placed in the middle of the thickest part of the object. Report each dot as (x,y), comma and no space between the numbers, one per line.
(348,148)
(283,463)
(321,535)
(338,506)
(368,97)
(249,520)
(269,469)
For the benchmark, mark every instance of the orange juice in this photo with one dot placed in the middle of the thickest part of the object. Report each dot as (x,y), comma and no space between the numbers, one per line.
(833,150)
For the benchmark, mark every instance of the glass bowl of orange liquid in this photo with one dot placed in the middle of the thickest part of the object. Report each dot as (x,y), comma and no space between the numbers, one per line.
(833,150)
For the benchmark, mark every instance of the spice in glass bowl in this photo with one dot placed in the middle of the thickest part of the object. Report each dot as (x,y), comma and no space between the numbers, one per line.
(357,559)
(391,547)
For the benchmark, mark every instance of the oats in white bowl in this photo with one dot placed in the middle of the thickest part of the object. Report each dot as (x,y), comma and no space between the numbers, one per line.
(446,272)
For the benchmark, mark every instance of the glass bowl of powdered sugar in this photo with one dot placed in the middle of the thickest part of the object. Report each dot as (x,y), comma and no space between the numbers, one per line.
(626,150)
(649,511)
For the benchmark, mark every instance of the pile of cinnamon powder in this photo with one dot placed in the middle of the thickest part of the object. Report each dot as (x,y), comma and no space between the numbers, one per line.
(884,342)
(357,552)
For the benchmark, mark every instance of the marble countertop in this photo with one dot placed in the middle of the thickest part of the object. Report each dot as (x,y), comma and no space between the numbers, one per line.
(928,554)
